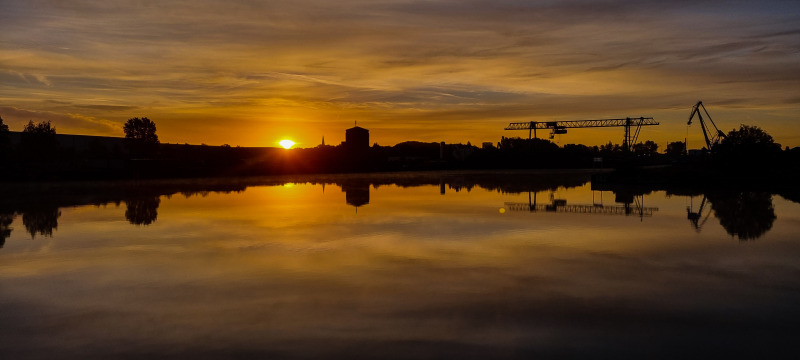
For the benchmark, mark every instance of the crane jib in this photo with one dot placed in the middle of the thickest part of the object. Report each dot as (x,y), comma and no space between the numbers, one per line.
(712,137)
(638,121)
(560,127)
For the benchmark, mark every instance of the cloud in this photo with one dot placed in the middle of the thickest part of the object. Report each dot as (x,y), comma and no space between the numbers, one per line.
(466,60)
(108,107)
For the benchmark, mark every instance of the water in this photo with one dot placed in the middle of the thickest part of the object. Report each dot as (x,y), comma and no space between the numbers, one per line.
(515,265)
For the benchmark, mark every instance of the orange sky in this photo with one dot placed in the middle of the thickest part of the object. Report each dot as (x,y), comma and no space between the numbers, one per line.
(253,73)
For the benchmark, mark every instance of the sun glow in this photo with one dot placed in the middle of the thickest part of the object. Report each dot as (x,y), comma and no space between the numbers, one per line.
(287,144)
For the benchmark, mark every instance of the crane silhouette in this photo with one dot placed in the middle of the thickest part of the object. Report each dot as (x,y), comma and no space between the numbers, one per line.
(560,127)
(712,137)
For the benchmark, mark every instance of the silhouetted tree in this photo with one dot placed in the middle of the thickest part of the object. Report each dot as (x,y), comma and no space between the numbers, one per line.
(43,127)
(610,148)
(141,135)
(649,147)
(41,220)
(143,210)
(749,146)
(676,149)
(39,142)
(746,215)
(751,136)
(141,129)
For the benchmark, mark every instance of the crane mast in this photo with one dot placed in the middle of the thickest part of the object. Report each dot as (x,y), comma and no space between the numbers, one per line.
(712,137)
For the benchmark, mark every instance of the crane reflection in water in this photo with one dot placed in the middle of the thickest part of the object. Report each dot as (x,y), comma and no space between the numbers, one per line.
(747,215)
(629,205)
(744,215)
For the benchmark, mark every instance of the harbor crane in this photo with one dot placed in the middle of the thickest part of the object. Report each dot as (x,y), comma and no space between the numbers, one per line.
(695,217)
(712,137)
(560,127)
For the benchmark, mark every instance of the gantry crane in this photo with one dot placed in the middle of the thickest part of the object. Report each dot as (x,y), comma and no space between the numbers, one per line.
(635,207)
(712,137)
(560,127)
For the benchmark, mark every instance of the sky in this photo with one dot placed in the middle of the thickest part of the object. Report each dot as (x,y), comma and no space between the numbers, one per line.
(251,73)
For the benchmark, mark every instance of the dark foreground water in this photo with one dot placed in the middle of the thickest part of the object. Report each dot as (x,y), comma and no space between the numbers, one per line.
(515,265)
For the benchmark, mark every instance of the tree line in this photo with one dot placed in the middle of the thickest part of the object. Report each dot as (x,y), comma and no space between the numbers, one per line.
(39,156)
(37,153)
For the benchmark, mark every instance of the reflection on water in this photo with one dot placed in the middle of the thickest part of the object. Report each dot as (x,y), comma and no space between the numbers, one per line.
(522,265)
(41,220)
(698,218)
(633,207)
(356,194)
(5,227)
(746,215)
(143,210)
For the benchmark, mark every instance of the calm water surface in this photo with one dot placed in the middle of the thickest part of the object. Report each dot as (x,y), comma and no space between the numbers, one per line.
(434,266)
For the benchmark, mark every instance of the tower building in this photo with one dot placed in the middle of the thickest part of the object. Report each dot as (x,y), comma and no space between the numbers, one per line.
(356,137)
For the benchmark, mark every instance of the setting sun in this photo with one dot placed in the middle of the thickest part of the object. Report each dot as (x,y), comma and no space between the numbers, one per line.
(287,144)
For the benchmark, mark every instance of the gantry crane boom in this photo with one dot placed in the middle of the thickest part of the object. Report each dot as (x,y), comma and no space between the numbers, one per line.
(560,127)
(582,209)
(560,206)
(712,137)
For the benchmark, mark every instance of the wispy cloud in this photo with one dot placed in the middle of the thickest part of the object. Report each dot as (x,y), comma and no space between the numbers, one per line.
(396,63)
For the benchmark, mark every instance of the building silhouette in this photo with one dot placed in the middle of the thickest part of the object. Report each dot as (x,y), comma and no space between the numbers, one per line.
(356,138)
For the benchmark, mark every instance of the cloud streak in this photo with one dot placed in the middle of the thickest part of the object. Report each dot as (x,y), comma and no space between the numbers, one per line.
(274,65)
